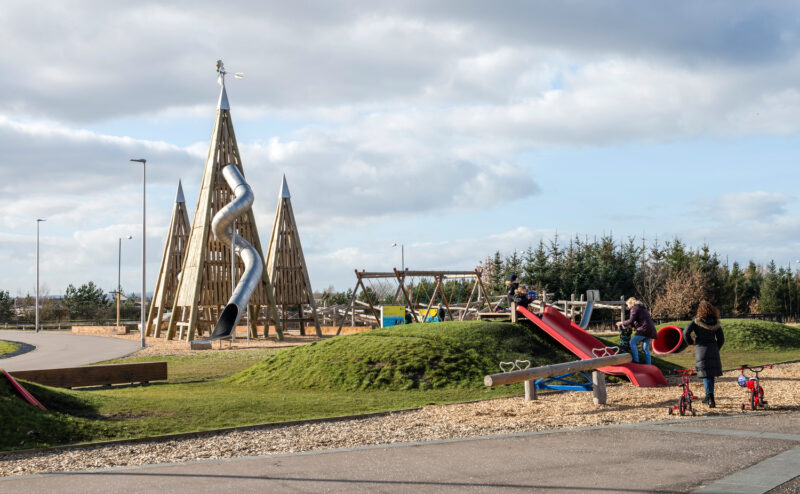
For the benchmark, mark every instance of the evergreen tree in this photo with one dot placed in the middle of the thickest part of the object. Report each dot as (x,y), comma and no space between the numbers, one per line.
(512,265)
(710,272)
(770,299)
(541,266)
(6,303)
(678,259)
(752,285)
(86,301)
(734,300)
(497,280)
(528,267)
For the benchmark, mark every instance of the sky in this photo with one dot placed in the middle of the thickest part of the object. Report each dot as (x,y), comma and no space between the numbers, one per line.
(452,128)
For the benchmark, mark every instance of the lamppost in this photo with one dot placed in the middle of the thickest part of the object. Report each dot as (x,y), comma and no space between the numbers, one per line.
(402,256)
(119,274)
(37,272)
(144,237)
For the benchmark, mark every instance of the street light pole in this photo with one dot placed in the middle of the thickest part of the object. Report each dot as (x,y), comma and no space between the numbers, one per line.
(119,275)
(37,272)
(144,237)
(402,256)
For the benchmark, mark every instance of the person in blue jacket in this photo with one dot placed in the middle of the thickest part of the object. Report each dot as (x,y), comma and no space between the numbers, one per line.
(709,338)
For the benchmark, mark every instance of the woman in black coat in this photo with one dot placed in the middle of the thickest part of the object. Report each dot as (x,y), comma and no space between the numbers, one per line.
(709,339)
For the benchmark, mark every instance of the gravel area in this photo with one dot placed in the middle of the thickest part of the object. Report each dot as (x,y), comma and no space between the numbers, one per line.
(626,404)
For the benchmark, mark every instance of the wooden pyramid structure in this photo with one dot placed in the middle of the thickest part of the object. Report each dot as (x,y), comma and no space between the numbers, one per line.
(286,265)
(206,281)
(171,265)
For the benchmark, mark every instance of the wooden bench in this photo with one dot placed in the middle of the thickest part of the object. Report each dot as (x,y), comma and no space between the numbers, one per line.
(96,375)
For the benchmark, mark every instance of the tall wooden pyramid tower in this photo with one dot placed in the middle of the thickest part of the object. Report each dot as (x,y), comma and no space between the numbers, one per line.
(206,282)
(286,265)
(171,265)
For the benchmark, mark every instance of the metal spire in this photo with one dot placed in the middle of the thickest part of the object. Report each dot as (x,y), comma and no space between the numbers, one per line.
(179,196)
(285,189)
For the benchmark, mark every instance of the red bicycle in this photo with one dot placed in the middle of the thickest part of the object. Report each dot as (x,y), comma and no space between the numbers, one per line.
(687,397)
(754,385)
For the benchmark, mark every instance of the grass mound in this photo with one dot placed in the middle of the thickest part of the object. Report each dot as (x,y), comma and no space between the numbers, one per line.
(7,347)
(415,356)
(751,334)
(27,426)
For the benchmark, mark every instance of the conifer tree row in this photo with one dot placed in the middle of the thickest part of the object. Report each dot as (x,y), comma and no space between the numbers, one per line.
(668,277)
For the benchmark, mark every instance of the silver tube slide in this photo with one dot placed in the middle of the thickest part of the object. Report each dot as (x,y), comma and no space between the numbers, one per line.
(222,226)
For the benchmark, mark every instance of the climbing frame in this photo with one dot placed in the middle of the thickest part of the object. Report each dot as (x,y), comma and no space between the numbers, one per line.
(171,265)
(286,266)
(206,283)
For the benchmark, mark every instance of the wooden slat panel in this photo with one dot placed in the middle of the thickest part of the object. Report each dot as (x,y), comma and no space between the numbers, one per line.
(96,375)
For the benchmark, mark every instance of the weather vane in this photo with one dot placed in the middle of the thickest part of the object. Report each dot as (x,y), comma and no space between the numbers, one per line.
(221,73)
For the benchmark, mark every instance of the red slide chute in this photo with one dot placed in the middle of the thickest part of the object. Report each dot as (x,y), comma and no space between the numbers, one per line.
(582,344)
(670,340)
(22,391)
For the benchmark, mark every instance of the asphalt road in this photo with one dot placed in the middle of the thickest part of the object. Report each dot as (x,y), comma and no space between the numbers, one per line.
(750,453)
(55,349)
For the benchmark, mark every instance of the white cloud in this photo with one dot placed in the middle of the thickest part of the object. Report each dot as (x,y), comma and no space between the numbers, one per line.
(737,208)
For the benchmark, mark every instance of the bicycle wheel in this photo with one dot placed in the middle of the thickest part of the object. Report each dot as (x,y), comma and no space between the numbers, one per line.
(753,400)
(682,406)
(760,397)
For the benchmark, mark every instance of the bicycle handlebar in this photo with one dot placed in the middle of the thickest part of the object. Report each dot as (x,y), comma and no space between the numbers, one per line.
(756,369)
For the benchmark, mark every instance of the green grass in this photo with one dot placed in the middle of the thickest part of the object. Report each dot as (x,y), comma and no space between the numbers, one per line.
(65,421)
(416,356)
(204,366)
(7,347)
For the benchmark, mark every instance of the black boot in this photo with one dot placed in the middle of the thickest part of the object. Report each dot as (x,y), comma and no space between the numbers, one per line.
(711,402)
(706,400)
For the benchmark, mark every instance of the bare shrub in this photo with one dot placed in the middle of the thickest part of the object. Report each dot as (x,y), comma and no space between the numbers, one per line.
(682,292)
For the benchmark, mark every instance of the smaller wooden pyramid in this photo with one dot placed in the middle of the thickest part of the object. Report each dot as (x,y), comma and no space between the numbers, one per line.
(286,265)
(171,265)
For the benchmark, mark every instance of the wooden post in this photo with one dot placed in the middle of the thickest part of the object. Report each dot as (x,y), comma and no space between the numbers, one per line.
(444,298)
(514,313)
(598,387)
(622,308)
(530,391)
(350,306)
(571,306)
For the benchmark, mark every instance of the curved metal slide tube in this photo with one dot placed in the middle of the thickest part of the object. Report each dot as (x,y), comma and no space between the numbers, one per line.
(222,226)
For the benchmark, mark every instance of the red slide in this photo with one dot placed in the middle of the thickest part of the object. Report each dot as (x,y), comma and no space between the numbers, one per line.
(582,344)
(22,391)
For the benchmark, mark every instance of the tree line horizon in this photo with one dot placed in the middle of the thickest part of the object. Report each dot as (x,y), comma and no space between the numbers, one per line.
(669,278)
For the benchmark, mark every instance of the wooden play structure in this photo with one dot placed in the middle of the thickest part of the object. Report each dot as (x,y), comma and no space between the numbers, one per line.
(286,267)
(207,277)
(171,265)
(412,289)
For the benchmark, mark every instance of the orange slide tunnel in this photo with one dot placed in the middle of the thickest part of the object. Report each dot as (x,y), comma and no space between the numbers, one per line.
(670,340)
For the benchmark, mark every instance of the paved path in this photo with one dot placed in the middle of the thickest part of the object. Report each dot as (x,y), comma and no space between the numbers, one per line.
(750,453)
(56,349)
